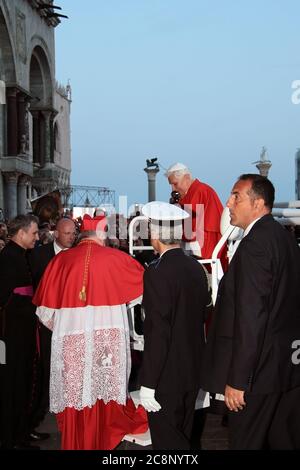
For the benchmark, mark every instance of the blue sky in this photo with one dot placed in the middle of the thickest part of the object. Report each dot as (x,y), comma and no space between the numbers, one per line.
(206,83)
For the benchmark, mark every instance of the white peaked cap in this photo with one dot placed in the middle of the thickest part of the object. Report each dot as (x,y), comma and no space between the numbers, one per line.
(158,210)
(177,167)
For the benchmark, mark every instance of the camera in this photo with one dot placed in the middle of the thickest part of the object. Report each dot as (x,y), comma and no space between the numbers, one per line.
(175,196)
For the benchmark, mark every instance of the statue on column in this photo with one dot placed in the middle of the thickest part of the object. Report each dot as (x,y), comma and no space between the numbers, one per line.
(263,154)
(152,163)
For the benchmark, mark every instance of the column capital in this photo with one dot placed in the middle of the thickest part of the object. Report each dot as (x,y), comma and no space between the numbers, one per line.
(12,92)
(35,113)
(49,114)
(151,173)
(23,180)
(11,177)
(21,97)
(46,113)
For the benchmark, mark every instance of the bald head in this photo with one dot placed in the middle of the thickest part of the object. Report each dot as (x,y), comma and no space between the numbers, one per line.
(65,233)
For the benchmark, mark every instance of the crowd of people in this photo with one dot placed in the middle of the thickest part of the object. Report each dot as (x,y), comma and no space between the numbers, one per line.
(63,302)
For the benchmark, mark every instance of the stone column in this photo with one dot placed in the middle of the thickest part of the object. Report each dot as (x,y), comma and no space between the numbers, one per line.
(12,122)
(21,125)
(11,180)
(35,136)
(22,194)
(264,167)
(151,173)
(53,115)
(48,135)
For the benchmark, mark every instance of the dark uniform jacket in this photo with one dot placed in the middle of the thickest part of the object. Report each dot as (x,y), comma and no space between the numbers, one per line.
(175,299)
(257,315)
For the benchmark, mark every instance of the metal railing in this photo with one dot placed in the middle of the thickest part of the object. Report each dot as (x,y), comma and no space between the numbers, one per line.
(86,196)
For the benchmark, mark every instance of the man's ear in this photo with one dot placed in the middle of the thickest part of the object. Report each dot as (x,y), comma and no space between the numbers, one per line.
(21,233)
(55,234)
(259,204)
(155,244)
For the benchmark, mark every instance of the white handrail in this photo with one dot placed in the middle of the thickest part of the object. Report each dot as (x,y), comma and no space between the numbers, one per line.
(132,223)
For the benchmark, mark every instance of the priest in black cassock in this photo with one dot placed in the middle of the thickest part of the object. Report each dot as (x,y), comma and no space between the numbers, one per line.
(18,331)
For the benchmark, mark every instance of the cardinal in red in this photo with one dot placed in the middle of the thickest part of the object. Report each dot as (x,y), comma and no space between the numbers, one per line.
(82,298)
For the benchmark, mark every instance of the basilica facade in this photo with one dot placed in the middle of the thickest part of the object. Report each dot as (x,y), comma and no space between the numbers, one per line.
(35,150)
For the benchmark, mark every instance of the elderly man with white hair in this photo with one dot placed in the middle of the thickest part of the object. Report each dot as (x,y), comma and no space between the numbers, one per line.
(203,203)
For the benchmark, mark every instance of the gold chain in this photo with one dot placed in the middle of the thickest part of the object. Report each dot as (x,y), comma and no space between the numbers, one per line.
(82,293)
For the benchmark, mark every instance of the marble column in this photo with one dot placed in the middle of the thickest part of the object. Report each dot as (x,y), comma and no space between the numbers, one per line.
(151,173)
(48,135)
(23,132)
(22,194)
(12,122)
(36,146)
(52,137)
(11,180)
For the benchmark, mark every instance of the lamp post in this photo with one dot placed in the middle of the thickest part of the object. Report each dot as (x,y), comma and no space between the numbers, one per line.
(151,169)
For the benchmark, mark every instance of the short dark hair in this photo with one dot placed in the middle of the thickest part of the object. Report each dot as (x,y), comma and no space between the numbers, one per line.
(21,222)
(261,188)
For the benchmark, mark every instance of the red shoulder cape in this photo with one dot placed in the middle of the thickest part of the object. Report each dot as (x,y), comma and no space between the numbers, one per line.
(113,278)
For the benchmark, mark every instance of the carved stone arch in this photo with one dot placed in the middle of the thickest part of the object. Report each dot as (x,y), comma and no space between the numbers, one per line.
(7,56)
(40,74)
(41,107)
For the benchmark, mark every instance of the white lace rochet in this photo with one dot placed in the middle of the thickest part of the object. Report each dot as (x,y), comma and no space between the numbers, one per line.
(90,355)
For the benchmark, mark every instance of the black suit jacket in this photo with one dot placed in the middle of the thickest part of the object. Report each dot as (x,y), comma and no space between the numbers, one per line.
(257,315)
(39,258)
(175,298)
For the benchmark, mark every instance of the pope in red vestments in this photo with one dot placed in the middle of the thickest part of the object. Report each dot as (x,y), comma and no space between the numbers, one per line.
(82,298)
(203,232)
(207,227)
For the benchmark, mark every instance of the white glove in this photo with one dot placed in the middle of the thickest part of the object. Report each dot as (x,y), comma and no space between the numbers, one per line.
(147,399)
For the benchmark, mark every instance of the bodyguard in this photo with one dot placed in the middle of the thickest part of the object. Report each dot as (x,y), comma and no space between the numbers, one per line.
(248,356)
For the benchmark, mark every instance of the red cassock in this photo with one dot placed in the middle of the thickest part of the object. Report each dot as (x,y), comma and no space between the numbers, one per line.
(206,210)
(82,298)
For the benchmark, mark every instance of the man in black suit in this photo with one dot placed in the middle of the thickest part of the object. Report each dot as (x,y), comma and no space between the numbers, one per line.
(64,237)
(249,352)
(175,299)
(39,258)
